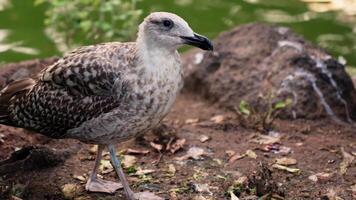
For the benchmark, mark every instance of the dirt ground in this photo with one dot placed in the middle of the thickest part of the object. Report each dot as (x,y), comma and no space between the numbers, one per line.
(317,147)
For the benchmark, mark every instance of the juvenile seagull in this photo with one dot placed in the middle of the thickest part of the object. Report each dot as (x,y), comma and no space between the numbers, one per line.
(106,93)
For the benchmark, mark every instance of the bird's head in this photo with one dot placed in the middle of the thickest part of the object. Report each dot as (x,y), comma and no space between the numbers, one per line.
(170,31)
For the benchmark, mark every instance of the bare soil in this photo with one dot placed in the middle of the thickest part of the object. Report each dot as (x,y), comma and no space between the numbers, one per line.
(316,145)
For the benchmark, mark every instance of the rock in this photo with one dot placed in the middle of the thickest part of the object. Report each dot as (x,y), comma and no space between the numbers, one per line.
(24,69)
(257,59)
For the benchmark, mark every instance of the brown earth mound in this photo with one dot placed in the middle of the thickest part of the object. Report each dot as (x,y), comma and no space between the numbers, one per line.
(256,61)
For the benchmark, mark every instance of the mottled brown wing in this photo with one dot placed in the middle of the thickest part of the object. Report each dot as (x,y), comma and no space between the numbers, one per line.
(51,110)
(87,74)
(14,88)
(77,88)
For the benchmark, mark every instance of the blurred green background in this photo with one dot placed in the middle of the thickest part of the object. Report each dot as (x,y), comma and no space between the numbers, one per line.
(328,23)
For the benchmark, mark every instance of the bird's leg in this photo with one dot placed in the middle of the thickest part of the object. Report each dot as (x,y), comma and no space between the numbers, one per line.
(117,165)
(129,194)
(97,185)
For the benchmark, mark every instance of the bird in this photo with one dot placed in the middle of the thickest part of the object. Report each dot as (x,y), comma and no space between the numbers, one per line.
(107,93)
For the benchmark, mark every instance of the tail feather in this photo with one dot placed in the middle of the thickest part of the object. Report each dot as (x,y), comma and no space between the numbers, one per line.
(10,91)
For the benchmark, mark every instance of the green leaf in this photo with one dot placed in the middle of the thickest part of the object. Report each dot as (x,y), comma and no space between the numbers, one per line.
(244,108)
(86,25)
(83,14)
(280,105)
(95,20)
(283,104)
(131,170)
(289,101)
(38,2)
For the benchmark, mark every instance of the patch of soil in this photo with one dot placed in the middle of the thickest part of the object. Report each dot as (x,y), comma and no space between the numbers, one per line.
(314,144)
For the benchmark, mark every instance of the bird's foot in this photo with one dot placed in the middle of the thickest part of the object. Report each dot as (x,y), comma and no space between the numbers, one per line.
(98,185)
(146,196)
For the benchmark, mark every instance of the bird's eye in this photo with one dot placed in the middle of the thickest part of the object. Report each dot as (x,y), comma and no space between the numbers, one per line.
(168,23)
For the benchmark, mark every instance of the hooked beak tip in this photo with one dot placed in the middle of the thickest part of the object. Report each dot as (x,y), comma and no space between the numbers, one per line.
(199,41)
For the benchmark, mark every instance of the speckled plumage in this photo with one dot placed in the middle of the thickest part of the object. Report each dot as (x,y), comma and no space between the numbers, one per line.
(98,94)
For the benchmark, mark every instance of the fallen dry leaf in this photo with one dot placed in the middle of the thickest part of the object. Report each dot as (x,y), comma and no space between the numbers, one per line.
(17,148)
(277,149)
(173,195)
(353,190)
(313,178)
(286,161)
(15,198)
(346,161)
(199,197)
(171,170)
(243,180)
(322,176)
(141,172)
(284,150)
(299,144)
(177,145)
(192,121)
(332,195)
(136,151)
(251,154)
(70,190)
(204,138)
(193,152)
(266,139)
(156,146)
(218,119)
(82,179)
(288,169)
(202,188)
(147,196)
(233,196)
(218,161)
(105,166)
(84,157)
(93,149)
(230,153)
(236,157)
(128,161)
(2,136)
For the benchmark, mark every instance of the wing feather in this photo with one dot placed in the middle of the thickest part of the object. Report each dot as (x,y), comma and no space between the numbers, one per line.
(82,85)
(86,72)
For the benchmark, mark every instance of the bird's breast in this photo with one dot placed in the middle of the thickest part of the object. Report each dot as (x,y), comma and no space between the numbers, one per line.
(152,97)
(158,92)
(148,97)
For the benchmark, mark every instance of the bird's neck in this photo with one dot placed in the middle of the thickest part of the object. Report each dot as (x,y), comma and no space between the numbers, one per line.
(155,57)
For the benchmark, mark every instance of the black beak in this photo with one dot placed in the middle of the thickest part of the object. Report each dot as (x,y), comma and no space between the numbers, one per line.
(198,41)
